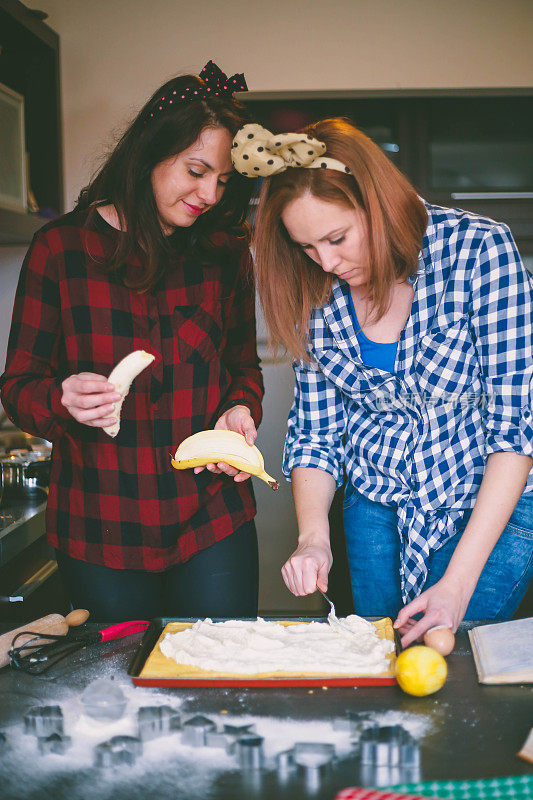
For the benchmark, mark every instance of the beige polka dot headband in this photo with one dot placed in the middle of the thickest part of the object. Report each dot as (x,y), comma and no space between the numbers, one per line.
(258,152)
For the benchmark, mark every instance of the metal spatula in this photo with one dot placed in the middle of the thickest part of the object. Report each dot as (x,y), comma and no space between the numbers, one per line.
(333,620)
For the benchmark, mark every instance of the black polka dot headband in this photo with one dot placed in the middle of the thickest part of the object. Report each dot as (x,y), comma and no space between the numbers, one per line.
(216,84)
(258,152)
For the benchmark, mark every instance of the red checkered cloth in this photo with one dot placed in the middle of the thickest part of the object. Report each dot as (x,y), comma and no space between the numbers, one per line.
(118,502)
(356,793)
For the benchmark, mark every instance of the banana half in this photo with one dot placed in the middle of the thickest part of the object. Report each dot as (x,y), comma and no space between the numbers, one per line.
(122,377)
(210,447)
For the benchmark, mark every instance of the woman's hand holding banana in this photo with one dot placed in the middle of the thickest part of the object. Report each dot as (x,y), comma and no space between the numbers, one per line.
(97,401)
(225,450)
(239,420)
(90,399)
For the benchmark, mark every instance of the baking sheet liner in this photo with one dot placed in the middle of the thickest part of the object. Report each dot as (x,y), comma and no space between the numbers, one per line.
(159,670)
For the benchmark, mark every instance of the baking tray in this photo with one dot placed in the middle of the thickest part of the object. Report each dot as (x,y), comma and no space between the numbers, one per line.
(157,626)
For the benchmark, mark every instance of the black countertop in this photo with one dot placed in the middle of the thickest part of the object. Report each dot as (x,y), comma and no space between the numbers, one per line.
(21,524)
(465,731)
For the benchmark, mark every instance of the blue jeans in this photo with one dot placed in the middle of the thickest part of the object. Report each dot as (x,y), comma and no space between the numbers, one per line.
(373,547)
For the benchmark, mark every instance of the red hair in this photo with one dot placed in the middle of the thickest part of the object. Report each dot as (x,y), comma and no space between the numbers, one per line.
(288,281)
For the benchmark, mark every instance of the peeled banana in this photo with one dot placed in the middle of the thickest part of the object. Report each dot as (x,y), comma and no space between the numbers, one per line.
(122,376)
(210,447)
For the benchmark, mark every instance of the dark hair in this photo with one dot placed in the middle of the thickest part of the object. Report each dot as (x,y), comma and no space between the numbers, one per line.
(125,181)
(288,281)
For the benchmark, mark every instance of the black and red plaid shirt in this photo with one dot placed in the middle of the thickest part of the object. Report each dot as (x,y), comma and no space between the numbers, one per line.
(118,502)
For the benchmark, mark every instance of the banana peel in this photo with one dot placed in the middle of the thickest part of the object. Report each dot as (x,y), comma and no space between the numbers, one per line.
(210,447)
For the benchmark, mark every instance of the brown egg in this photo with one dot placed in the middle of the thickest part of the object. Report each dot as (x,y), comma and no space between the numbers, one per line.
(440,639)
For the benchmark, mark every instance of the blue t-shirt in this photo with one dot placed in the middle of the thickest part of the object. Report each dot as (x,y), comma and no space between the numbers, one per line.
(373,354)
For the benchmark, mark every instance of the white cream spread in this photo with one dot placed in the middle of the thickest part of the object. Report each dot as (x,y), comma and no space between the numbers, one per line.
(253,647)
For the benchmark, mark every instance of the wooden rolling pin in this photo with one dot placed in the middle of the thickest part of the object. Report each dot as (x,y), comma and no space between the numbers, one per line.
(53,623)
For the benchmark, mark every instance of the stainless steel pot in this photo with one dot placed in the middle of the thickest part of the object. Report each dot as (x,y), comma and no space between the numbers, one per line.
(11,438)
(24,476)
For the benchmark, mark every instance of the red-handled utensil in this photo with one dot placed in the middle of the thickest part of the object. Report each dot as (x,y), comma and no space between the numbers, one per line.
(34,657)
(122,629)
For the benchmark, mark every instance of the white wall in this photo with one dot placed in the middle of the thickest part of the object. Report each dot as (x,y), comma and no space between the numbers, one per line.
(10,261)
(115,53)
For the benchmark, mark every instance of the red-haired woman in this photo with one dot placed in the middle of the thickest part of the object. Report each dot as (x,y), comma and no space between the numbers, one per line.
(154,257)
(411,326)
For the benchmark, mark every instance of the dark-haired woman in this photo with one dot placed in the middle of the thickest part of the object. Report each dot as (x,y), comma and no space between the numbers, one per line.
(412,329)
(154,257)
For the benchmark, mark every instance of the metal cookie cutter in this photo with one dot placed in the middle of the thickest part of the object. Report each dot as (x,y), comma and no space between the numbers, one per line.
(390,745)
(249,751)
(388,755)
(355,722)
(195,730)
(42,721)
(156,721)
(118,750)
(55,743)
(285,762)
(227,736)
(314,759)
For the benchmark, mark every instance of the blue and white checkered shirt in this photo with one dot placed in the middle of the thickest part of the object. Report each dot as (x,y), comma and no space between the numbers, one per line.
(462,388)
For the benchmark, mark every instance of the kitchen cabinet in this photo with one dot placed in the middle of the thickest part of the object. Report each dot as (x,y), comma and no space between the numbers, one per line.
(29,65)
(479,146)
(470,149)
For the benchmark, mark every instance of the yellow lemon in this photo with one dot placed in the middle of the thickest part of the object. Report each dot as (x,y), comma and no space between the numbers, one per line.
(420,670)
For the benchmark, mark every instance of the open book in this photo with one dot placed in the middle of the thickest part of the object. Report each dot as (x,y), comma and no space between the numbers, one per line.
(503,652)
(527,749)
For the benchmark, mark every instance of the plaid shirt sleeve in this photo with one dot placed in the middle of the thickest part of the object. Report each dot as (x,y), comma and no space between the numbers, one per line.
(118,502)
(316,425)
(502,322)
(31,385)
(240,352)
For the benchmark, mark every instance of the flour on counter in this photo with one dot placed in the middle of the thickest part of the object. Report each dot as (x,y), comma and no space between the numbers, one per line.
(169,767)
(253,647)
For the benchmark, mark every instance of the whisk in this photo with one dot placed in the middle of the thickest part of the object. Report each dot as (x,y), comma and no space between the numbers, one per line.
(34,657)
